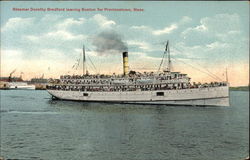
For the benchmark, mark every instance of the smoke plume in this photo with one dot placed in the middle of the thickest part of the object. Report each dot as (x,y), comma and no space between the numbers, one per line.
(109,42)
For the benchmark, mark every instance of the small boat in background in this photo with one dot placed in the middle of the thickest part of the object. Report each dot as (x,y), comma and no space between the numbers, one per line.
(15,82)
(20,85)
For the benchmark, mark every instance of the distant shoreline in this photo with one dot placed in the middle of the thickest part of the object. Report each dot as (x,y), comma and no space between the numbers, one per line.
(240,88)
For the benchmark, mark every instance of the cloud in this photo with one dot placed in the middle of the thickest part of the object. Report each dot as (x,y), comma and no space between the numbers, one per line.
(221,23)
(142,27)
(224,28)
(67,29)
(140,44)
(214,27)
(217,39)
(216,52)
(32,38)
(70,22)
(169,29)
(53,37)
(202,51)
(217,45)
(51,18)
(63,35)
(17,23)
(103,21)
(200,28)
(51,31)
(166,30)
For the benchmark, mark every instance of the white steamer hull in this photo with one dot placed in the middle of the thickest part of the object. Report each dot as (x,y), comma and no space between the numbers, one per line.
(215,96)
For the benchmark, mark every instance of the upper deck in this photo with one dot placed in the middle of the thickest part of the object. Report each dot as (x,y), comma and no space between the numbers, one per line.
(139,78)
(131,82)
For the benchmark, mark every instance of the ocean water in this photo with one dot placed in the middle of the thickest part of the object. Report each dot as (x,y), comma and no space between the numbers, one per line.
(35,127)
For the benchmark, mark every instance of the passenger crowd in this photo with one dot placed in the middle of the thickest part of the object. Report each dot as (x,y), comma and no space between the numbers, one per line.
(134,81)
(145,87)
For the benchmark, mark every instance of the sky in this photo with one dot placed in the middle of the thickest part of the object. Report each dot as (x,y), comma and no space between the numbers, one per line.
(206,38)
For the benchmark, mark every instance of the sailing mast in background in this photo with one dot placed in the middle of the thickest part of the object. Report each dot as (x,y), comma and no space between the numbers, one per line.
(226,76)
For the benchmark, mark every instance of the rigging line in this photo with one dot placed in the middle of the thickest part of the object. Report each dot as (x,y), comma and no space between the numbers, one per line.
(210,72)
(195,68)
(77,64)
(198,69)
(92,63)
(92,67)
(162,61)
(88,49)
(181,52)
(92,50)
(89,66)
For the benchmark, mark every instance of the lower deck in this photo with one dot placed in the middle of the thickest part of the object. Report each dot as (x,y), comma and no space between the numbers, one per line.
(218,96)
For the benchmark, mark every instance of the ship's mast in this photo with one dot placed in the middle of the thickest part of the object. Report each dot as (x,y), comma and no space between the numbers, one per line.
(166,60)
(168,57)
(83,61)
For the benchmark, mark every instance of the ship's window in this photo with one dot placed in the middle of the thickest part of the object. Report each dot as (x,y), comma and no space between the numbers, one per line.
(159,93)
(85,94)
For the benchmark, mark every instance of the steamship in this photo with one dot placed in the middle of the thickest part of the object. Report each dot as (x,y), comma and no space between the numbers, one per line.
(163,87)
(15,83)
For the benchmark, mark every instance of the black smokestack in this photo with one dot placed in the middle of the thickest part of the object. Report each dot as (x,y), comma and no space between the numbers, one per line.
(109,42)
(125,54)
